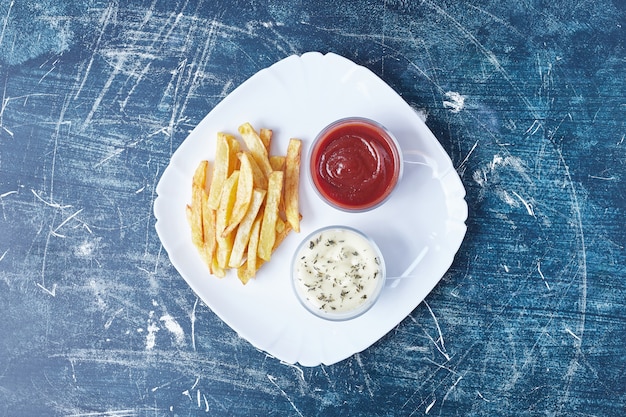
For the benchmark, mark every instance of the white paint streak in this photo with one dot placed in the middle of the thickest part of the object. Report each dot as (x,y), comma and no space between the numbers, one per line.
(482,397)
(542,277)
(195,384)
(73,371)
(366,376)
(504,196)
(193,324)
(467,156)
(51,292)
(173,327)
(8,193)
(611,178)
(529,208)
(442,348)
(141,76)
(85,249)
(206,404)
(49,203)
(534,127)
(430,406)
(452,387)
(42,285)
(152,331)
(107,16)
(49,71)
(113,316)
(64,222)
(568,330)
(111,155)
(6,130)
(6,21)
(297,368)
(482,175)
(583,249)
(454,101)
(108,413)
(582,253)
(273,381)
(103,92)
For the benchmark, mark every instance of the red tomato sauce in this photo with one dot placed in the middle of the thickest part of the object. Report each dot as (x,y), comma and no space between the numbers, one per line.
(355,164)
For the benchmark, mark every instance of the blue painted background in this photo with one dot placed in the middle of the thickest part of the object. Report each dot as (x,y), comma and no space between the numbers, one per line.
(528,99)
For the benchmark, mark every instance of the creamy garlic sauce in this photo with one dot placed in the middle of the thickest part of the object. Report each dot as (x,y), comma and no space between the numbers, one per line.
(337,270)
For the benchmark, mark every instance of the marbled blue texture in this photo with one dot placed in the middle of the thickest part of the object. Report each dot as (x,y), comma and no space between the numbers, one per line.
(527,98)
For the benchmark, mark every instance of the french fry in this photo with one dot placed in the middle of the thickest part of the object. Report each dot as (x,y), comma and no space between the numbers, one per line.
(217,270)
(199,175)
(256,147)
(270,215)
(277,162)
(243,235)
(260,180)
(250,266)
(208,228)
(245,184)
(282,231)
(292,183)
(234,147)
(197,187)
(266,138)
(244,274)
(220,170)
(227,201)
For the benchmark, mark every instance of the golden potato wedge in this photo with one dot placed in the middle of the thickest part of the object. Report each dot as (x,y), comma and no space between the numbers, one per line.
(250,266)
(277,162)
(197,187)
(292,183)
(220,169)
(266,138)
(282,231)
(270,215)
(208,228)
(260,180)
(243,235)
(245,185)
(256,147)
(227,201)
(234,147)
(216,269)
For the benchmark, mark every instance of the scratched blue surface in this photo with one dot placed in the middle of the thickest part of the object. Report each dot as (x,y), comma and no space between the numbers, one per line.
(528,99)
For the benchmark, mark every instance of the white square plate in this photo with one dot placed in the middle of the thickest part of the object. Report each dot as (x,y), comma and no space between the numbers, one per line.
(419,229)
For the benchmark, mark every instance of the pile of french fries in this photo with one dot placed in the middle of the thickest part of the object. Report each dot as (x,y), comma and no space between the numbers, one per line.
(246,204)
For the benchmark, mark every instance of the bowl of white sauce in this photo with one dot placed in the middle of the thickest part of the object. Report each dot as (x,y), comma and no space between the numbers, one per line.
(338,273)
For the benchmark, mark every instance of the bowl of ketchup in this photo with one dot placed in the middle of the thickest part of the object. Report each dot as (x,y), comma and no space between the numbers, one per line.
(355,163)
